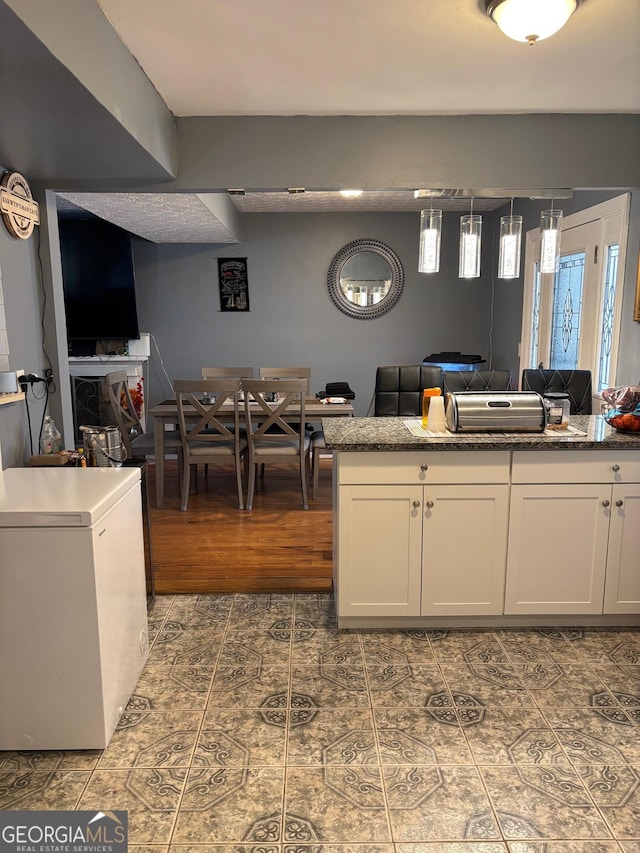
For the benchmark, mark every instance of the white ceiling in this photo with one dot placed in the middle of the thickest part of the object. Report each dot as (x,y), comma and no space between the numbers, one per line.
(355,57)
(376,57)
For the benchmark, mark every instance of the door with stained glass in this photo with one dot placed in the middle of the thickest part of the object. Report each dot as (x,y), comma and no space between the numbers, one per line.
(571,319)
(565,306)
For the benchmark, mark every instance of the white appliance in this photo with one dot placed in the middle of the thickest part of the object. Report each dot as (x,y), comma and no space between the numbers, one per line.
(73,615)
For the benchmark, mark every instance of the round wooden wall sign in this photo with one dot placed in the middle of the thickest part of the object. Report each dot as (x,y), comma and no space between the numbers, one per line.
(19,211)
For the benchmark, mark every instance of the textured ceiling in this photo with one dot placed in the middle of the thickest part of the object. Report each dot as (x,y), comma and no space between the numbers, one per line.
(158,217)
(389,201)
(183,218)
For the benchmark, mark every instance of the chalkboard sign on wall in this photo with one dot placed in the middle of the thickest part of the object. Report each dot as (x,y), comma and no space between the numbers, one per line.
(234,284)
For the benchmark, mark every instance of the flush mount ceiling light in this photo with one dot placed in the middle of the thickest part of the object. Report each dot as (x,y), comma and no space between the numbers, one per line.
(530,20)
(350,193)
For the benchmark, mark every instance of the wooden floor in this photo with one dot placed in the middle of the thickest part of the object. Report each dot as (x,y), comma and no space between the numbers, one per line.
(215,547)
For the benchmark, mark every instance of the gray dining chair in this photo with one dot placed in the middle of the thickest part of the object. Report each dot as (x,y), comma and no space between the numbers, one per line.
(271,436)
(210,431)
(138,443)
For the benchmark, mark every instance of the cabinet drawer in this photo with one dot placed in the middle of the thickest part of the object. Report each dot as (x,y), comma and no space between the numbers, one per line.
(557,466)
(407,467)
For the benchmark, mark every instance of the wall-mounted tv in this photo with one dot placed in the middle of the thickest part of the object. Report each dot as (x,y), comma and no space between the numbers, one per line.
(98,280)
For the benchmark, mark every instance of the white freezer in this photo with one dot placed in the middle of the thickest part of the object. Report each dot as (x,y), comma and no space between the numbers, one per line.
(73,619)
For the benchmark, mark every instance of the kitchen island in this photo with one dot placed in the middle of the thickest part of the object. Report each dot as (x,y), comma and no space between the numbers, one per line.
(485,529)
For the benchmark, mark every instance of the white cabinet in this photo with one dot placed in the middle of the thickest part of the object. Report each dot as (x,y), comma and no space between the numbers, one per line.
(380,550)
(622,588)
(574,533)
(464,549)
(557,549)
(421,533)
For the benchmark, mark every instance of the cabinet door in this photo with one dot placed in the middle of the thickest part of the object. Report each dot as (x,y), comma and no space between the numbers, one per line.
(557,548)
(464,549)
(622,589)
(379,547)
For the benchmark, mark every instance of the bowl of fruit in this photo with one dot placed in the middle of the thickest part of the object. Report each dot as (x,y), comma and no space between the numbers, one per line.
(623,421)
(623,413)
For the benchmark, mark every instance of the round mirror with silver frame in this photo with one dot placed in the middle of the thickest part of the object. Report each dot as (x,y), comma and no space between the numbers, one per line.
(365,279)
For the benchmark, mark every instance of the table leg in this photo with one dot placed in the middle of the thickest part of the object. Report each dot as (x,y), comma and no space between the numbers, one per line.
(158,443)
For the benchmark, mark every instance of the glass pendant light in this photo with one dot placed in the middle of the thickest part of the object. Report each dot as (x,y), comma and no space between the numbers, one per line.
(470,237)
(550,225)
(510,240)
(430,234)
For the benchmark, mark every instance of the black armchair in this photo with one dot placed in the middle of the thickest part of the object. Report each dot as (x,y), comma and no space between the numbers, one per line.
(398,390)
(575,383)
(476,380)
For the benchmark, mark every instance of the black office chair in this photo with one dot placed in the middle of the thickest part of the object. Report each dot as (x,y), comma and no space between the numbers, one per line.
(398,389)
(575,383)
(476,380)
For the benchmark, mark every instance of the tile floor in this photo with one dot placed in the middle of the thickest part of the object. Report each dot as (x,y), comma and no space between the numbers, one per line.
(258,727)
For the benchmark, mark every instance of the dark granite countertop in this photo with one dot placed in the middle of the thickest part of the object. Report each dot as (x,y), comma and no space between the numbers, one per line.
(371,434)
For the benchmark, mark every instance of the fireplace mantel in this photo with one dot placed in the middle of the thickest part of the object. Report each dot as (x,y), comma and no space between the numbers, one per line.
(100,365)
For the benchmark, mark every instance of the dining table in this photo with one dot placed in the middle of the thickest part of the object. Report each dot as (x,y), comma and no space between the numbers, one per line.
(166,412)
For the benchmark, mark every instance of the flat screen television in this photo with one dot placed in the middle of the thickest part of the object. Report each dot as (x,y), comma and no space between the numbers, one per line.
(98,280)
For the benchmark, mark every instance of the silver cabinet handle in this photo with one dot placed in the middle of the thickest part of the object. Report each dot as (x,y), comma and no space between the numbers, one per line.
(416,504)
(619,503)
(605,503)
(615,468)
(424,467)
(429,504)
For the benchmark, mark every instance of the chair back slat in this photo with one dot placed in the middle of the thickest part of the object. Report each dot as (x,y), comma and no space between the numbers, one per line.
(205,421)
(227,372)
(575,383)
(258,393)
(124,411)
(477,380)
(287,373)
(398,389)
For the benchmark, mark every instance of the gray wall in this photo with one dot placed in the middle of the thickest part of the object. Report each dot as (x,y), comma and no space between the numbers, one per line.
(292,319)
(23,307)
(318,152)
(293,322)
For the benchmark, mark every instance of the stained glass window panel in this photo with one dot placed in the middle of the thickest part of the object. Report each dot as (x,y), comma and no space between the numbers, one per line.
(606,328)
(535,320)
(567,310)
